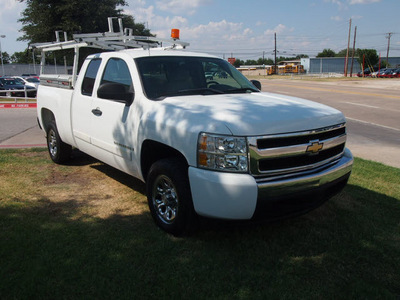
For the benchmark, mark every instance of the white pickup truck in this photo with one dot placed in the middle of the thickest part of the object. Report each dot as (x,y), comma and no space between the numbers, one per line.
(202,137)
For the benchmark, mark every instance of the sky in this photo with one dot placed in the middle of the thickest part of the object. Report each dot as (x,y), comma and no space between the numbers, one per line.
(245,29)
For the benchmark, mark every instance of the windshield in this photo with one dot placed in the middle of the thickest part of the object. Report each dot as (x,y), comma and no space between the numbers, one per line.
(19,81)
(165,76)
(9,81)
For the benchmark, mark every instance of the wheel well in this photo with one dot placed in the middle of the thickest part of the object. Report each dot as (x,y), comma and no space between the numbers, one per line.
(47,117)
(153,151)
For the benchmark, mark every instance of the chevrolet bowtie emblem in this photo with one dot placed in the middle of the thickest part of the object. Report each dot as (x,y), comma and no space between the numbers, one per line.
(314,147)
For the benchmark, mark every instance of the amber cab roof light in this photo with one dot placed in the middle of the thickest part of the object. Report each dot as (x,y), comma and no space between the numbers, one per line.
(175,34)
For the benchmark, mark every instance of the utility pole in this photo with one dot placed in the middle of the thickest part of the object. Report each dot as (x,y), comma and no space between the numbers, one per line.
(389,34)
(1,54)
(275,71)
(263,62)
(354,49)
(347,53)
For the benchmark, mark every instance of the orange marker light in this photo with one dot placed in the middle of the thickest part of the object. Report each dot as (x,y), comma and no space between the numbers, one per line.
(175,33)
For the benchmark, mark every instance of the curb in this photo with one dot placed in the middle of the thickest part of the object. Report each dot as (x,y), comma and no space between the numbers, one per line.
(23,146)
(18,105)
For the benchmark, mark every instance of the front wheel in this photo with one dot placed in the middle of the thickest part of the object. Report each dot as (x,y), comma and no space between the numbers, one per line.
(59,151)
(169,197)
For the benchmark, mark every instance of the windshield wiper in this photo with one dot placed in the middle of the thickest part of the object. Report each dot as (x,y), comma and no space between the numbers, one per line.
(201,91)
(242,90)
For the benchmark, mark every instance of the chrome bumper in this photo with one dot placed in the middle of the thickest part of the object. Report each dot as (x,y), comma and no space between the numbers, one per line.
(302,193)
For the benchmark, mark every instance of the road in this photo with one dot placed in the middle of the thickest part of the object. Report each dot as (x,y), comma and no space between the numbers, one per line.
(19,128)
(372,109)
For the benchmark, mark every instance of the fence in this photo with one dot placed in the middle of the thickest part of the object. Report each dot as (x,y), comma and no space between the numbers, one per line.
(19,69)
(16,94)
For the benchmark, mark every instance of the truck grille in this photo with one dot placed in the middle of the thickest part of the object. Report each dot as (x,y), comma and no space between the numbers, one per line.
(285,154)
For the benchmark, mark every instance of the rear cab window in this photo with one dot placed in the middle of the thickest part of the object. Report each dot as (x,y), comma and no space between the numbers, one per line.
(90,77)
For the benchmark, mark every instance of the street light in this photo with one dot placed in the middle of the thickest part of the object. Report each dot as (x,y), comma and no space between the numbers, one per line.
(1,53)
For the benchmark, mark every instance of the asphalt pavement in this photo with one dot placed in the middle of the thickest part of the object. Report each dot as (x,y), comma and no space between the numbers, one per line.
(19,129)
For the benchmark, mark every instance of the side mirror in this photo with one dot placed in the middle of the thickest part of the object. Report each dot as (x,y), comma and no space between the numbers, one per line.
(256,83)
(117,92)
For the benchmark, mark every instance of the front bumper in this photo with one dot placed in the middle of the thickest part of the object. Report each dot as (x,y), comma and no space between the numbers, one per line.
(242,197)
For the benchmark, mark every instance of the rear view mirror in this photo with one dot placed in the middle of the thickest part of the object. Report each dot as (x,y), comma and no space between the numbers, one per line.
(256,83)
(117,92)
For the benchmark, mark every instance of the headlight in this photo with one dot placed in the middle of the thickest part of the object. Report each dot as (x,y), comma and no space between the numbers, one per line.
(222,153)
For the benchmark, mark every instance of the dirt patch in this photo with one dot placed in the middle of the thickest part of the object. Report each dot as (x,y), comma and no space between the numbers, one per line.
(91,188)
(31,154)
(56,177)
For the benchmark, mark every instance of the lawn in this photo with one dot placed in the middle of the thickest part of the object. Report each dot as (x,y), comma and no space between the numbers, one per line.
(83,231)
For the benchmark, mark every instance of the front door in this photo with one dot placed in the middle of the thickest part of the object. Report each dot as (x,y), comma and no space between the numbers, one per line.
(113,124)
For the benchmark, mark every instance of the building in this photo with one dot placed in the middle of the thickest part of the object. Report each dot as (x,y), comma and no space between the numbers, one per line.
(336,64)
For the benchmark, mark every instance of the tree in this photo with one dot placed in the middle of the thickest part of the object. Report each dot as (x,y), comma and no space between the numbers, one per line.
(326,53)
(265,61)
(24,57)
(6,57)
(369,56)
(238,62)
(42,18)
(250,62)
(343,53)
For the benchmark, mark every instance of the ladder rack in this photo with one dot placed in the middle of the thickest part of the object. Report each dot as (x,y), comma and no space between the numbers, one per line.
(110,41)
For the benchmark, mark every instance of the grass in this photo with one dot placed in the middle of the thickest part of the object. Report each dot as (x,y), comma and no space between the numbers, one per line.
(83,231)
(19,100)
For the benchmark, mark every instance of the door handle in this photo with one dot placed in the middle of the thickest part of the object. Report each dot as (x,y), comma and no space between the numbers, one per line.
(97,112)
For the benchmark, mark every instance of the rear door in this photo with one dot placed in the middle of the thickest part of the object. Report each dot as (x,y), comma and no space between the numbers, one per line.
(82,105)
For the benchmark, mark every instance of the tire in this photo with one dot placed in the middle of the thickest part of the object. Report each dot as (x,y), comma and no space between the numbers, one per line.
(169,197)
(59,151)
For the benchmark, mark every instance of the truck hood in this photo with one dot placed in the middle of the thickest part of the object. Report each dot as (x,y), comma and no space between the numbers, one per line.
(255,113)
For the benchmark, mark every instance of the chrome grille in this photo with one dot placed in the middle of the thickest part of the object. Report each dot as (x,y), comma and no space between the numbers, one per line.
(284,154)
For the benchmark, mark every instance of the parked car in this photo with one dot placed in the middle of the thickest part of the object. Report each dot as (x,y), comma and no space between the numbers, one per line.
(30,75)
(28,81)
(9,83)
(384,73)
(378,72)
(395,73)
(388,73)
(368,71)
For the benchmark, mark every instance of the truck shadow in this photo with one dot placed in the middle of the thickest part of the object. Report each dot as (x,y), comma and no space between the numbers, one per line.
(79,158)
(121,177)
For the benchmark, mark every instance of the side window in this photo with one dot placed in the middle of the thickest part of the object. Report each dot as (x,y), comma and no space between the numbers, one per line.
(90,77)
(117,72)
(116,82)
